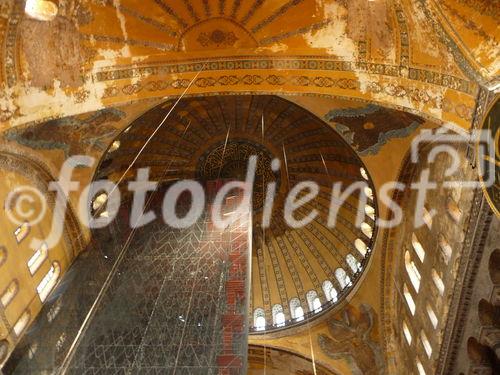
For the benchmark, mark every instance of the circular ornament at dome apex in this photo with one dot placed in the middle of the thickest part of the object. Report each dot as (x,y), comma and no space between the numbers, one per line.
(230,161)
(216,33)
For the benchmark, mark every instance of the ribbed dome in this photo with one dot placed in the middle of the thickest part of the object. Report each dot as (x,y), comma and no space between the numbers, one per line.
(294,271)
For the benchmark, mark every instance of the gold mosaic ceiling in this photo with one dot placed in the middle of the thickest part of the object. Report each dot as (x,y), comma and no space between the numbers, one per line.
(287,263)
(423,55)
(376,31)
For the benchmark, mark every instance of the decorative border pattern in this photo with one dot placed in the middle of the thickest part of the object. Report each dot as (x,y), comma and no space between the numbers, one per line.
(460,59)
(307,63)
(10,54)
(255,84)
(404,58)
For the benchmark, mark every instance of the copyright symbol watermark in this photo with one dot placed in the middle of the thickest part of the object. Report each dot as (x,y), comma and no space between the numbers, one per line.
(25,204)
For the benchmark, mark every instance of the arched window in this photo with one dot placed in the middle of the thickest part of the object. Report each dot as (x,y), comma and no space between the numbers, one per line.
(259,319)
(38,258)
(296,310)
(445,248)
(438,281)
(278,316)
(453,210)
(494,266)
(334,295)
(426,344)
(329,291)
(99,201)
(363,173)
(313,301)
(48,282)
(409,299)
(317,305)
(412,271)
(432,316)
(343,278)
(370,211)
(22,232)
(21,323)
(427,217)
(360,246)
(3,255)
(114,146)
(368,192)
(367,230)
(41,10)
(407,333)
(353,263)
(420,368)
(9,293)
(417,246)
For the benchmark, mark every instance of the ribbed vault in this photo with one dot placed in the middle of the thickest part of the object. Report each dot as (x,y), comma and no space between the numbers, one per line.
(295,271)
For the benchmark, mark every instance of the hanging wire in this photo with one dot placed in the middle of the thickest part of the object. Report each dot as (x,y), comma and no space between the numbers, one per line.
(157,129)
(151,137)
(69,356)
(286,165)
(223,152)
(324,164)
(313,358)
(263,237)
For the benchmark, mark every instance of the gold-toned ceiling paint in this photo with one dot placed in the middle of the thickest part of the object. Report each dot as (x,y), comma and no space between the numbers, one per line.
(431,70)
(383,51)
(474,26)
(208,138)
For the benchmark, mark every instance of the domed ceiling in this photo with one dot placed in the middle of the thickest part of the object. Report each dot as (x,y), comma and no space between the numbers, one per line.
(295,272)
(420,55)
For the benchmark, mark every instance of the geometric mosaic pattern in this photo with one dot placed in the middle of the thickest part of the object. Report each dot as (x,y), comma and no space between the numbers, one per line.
(176,305)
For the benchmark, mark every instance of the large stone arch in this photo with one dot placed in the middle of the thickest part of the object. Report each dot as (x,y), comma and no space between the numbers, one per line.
(88,71)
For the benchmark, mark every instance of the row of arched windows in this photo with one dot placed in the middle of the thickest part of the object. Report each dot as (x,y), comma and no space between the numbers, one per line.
(341,276)
(414,259)
(314,305)
(34,263)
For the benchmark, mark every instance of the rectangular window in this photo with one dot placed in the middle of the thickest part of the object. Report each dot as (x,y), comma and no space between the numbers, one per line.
(407,333)
(38,258)
(453,210)
(22,232)
(432,316)
(438,282)
(417,246)
(409,300)
(427,218)
(9,294)
(420,368)
(446,250)
(426,344)
(21,324)
(48,282)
